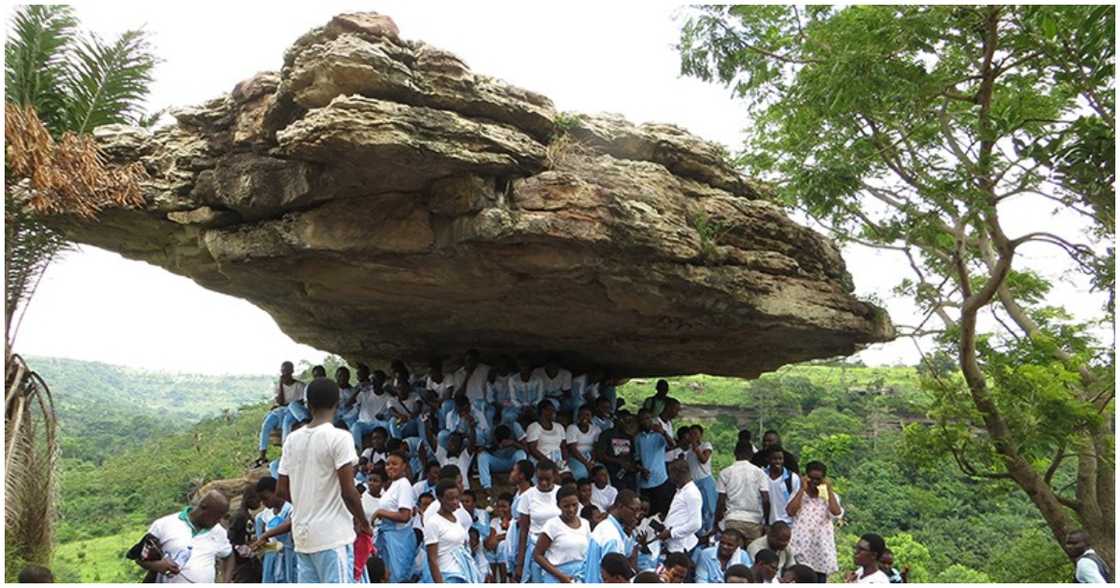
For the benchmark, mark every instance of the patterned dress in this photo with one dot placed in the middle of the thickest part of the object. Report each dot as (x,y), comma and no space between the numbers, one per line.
(812,541)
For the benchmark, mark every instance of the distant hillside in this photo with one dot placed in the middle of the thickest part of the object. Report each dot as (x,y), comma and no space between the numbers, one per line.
(102,408)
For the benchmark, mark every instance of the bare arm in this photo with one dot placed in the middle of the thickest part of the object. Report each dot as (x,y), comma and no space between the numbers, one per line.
(543,543)
(833,504)
(766,507)
(794,505)
(283,489)
(397,516)
(573,450)
(523,538)
(433,563)
(536,452)
(491,542)
(276,531)
(721,508)
(702,455)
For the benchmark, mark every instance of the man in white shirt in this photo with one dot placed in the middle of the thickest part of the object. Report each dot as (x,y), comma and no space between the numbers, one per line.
(776,539)
(557,384)
(784,484)
(867,552)
(685,517)
(744,495)
(471,378)
(1090,568)
(372,403)
(317,477)
(456,452)
(288,391)
(191,542)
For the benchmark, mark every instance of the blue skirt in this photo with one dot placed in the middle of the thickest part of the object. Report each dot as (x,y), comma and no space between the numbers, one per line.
(397,548)
(468,571)
(574,569)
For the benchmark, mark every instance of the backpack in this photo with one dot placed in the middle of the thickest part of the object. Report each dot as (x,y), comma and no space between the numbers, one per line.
(1103,567)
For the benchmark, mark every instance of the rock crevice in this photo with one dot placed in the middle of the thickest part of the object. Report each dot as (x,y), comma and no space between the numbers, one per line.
(379,199)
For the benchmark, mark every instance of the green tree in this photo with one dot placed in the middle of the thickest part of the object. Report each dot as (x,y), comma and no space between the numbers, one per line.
(59,85)
(914,129)
(958,574)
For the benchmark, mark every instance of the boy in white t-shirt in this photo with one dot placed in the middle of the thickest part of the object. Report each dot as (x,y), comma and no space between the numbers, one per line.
(317,477)
(867,552)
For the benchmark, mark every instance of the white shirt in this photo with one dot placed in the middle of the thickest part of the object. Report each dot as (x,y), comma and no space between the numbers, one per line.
(443,389)
(370,405)
(375,456)
(743,483)
(399,495)
(293,392)
(877,577)
(699,470)
(407,407)
(449,537)
(175,538)
(540,506)
(671,455)
(481,423)
(583,391)
(1087,571)
(779,498)
(370,504)
(583,441)
(554,386)
(522,393)
(476,385)
(461,514)
(497,390)
(684,518)
(568,544)
(548,440)
(311,458)
(461,461)
(603,499)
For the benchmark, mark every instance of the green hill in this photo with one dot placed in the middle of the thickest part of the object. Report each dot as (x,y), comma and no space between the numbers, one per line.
(103,408)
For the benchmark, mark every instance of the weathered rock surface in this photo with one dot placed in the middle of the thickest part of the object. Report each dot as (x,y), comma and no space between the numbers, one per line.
(381,200)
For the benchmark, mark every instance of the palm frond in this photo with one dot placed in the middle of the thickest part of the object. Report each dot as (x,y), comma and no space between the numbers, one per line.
(35,59)
(107,83)
(31,469)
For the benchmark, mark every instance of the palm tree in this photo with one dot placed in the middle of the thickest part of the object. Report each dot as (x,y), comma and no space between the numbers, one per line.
(59,85)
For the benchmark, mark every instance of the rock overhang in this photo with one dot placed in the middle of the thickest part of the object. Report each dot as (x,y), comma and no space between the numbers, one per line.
(380,200)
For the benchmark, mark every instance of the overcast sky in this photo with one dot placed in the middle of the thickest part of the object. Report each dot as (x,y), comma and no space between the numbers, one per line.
(96,305)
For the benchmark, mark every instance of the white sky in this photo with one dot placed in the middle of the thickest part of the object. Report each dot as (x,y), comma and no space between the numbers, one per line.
(604,56)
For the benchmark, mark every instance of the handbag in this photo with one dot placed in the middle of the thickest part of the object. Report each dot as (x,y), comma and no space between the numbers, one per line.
(147,549)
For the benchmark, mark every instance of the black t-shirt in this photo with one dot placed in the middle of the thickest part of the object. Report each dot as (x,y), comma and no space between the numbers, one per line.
(615,443)
(242,532)
(789,461)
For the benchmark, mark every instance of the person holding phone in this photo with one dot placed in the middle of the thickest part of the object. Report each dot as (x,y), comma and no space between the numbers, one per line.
(813,509)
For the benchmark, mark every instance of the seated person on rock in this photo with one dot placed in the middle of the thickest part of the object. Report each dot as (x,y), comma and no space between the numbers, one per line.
(470,380)
(501,456)
(524,393)
(288,391)
(458,450)
(557,384)
(404,411)
(545,438)
(467,419)
(372,406)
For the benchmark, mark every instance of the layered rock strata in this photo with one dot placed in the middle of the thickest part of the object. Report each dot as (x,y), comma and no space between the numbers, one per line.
(379,199)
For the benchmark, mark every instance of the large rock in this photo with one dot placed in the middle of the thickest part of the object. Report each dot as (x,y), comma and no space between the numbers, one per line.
(381,200)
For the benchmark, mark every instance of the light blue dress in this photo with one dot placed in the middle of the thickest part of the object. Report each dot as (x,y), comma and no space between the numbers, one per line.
(608,537)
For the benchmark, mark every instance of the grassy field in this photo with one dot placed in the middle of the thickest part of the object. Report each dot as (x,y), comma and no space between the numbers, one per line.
(98,560)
